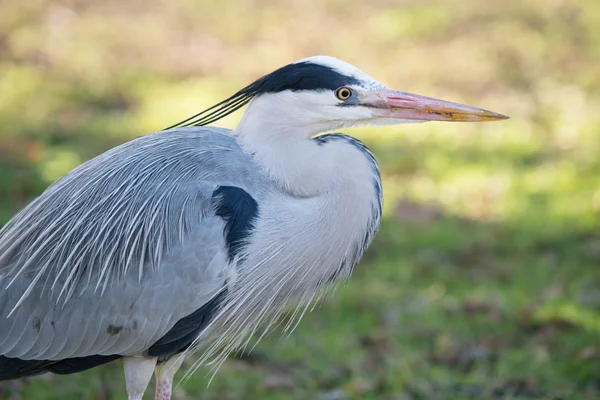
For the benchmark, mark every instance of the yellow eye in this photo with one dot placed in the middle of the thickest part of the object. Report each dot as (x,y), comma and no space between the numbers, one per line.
(343,93)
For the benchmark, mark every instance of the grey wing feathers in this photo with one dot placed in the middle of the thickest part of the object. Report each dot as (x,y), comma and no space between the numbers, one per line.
(113,254)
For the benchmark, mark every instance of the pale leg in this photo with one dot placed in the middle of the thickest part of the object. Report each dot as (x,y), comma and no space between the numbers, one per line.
(164,377)
(138,372)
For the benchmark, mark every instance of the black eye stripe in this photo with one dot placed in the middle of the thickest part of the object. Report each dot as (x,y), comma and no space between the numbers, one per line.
(300,76)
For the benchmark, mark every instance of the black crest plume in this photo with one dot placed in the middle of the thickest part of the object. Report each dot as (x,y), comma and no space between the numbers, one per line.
(220,110)
(296,77)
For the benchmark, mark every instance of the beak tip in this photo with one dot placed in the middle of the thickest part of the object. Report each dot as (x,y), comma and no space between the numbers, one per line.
(501,116)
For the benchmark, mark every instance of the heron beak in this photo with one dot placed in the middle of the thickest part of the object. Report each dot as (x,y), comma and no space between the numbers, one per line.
(389,103)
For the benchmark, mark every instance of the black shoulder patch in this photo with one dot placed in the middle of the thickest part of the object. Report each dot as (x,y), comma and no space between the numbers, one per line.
(186,330)
(239,210)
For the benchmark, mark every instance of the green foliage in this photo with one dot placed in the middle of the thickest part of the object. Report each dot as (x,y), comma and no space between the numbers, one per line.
(483,282)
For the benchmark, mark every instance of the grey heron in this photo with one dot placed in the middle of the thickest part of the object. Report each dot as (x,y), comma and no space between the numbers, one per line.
(195,236)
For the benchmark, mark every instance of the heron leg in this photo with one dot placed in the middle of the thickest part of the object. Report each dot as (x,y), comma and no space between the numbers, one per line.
(138,372)
(164,377)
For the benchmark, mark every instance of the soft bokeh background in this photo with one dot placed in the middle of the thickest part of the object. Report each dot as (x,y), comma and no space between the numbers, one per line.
(483,282)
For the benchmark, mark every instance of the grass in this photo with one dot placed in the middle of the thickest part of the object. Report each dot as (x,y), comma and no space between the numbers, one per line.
(483,281)
(449,308)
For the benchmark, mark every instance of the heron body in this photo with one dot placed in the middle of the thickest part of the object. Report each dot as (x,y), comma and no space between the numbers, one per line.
(198,235)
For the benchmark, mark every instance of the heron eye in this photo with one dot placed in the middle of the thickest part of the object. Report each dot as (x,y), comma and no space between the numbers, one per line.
(343,93)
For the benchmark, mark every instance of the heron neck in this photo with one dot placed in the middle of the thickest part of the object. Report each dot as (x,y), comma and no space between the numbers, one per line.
(297,165)
(301,245)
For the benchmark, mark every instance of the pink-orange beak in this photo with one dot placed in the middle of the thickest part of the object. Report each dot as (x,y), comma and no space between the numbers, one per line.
(389,103)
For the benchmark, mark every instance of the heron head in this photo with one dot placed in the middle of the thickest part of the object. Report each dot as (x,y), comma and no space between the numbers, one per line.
(323,93)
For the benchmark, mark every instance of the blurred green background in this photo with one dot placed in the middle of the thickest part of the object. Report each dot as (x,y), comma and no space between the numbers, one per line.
(483,282)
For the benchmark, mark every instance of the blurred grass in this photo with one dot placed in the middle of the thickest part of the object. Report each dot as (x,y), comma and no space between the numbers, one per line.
(483,282)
